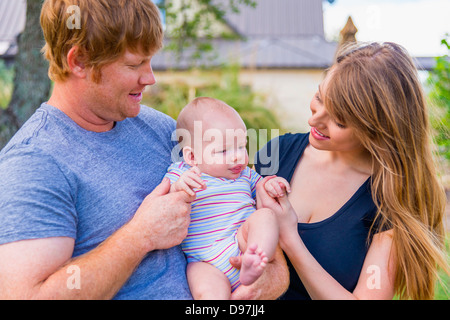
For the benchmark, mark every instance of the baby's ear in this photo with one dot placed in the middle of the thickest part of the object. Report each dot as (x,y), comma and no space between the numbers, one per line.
(188,156)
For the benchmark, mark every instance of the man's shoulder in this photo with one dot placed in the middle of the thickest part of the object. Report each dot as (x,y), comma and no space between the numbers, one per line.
(30,133)
(154,117)
(156,127)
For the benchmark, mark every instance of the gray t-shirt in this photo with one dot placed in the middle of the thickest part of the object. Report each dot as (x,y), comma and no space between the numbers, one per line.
(59,180)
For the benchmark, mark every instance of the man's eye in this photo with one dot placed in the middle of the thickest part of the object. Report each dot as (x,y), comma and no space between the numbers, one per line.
(134,66)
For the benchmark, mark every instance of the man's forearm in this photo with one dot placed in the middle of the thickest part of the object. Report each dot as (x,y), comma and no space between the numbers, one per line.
(98,274)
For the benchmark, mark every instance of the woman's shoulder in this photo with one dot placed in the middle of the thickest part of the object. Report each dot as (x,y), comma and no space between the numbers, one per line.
(289,140)
(284,144)
(284,150)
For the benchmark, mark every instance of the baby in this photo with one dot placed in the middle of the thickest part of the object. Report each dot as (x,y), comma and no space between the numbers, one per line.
(224,221)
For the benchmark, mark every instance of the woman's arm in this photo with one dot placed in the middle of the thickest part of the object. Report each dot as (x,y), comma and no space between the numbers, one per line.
(376,280)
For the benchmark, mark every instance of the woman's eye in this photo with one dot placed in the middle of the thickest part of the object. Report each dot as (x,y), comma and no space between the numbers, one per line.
(318,97)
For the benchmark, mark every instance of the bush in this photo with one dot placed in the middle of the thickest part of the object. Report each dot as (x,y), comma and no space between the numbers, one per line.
(6,84)
(439,82)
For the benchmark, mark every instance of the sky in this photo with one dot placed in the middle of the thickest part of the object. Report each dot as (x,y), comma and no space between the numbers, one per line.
(418,25)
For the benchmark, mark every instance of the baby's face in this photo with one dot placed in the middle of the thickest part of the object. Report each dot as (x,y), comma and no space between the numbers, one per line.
(223,152)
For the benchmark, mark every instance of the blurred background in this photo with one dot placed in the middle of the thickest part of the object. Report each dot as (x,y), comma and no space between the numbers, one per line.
(265,58)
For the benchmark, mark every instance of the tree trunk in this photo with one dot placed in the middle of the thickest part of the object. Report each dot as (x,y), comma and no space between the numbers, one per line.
(31,82)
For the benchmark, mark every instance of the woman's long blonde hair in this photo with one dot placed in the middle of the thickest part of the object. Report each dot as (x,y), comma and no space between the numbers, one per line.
(375,89)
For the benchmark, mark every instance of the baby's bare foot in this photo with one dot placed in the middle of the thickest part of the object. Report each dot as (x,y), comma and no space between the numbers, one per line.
(254,261)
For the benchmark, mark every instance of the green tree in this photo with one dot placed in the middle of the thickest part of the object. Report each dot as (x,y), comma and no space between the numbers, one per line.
(439,82)
(189,24)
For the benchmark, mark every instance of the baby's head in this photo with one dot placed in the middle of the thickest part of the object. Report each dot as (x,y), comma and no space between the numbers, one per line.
(213,138)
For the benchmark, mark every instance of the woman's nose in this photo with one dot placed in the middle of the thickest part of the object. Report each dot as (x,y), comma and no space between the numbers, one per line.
(319,115)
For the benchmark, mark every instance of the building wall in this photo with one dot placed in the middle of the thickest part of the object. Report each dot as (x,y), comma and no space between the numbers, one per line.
(287,92)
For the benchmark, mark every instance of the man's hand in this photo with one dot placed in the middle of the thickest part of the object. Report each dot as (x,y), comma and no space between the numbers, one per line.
(163,218)
(37,269)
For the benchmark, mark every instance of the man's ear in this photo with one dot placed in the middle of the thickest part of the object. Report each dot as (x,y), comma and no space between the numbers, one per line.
(75,59)
(188,156)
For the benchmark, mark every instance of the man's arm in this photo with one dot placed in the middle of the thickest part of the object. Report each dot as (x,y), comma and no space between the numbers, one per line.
(43,268)
(270,286)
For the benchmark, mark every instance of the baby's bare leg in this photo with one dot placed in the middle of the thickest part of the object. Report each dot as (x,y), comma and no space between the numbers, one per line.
(258,239)
(206,282)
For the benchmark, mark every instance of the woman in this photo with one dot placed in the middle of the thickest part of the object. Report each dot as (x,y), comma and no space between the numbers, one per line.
(364,219)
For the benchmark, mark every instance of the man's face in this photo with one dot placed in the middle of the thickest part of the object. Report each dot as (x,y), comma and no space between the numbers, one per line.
(119,93)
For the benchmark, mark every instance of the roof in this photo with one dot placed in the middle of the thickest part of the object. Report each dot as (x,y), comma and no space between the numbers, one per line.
(261,53)
(285,18)
(425,63)
(275,34)
(12,22)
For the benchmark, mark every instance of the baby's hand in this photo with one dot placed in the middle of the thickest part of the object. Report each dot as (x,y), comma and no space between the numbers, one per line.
(189,180)
(277,187)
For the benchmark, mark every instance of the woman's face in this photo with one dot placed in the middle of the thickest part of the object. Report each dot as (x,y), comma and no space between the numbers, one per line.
(326,132)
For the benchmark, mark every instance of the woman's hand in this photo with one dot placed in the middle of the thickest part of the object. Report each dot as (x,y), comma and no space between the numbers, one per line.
(287,223)
(281,206)
(263,199)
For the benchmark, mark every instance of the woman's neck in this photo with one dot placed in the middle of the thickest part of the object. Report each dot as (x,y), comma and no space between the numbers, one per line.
(357,160)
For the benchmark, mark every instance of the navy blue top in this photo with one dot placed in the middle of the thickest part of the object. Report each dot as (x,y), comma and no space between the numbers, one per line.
(340,242)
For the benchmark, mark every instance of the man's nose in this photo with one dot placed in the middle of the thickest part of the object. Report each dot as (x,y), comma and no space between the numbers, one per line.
(148,77)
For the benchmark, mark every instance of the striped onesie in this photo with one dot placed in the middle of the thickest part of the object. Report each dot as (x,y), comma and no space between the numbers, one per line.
(216,215)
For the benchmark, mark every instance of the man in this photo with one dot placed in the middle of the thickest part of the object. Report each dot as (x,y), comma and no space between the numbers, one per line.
(83,211)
